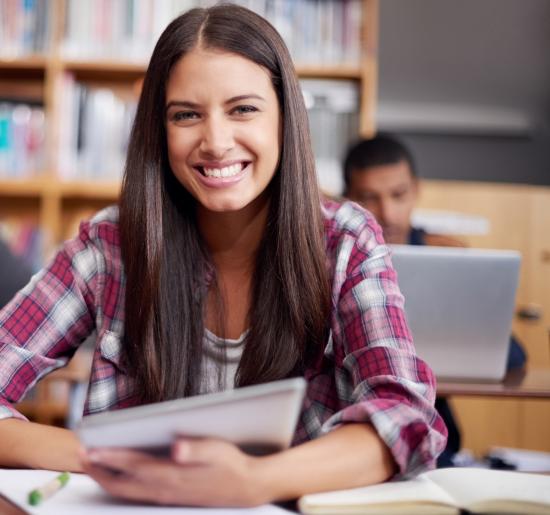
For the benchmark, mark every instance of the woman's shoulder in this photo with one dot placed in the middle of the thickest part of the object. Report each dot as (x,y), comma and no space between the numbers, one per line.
(97,236)
(102,227)
(346,218)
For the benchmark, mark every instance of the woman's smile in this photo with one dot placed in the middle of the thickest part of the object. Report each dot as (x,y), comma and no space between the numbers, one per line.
(221,175)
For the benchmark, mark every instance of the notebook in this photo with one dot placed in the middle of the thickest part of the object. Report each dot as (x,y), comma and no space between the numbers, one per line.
(444,491)
(459,304)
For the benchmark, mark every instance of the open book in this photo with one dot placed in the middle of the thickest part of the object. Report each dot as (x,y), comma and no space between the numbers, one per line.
(443,491)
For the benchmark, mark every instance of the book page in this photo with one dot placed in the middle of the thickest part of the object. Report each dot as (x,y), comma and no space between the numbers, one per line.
(418,491)
(471,487)
(83,496)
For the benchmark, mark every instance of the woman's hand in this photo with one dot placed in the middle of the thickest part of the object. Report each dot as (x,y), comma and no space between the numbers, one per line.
(201,472)
(207,472)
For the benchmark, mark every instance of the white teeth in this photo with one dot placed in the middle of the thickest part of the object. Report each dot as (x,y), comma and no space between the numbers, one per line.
(226,171)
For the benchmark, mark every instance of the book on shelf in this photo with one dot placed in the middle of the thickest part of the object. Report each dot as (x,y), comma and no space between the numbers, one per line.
(25,27)
(442,491)
(333,107)
(317,32)
(22,132)
(95,125)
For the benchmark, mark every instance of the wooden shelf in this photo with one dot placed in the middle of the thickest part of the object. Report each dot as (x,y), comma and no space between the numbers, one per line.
(329,72)
(23,187)
(100,190)
(28,68)
(32,62)
(108,69)
(121,69)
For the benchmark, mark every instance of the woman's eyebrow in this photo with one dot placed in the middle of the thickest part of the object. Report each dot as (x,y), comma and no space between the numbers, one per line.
(181,103)
(193,105)
(247,96)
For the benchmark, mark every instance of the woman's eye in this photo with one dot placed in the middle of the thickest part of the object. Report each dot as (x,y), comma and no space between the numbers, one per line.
(245,109)
(183,116)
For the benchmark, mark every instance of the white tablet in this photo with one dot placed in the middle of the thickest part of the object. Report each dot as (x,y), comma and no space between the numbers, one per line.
(260,419)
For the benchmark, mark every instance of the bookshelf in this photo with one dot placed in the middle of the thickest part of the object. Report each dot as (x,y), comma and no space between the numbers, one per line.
(55,200)
(55,193)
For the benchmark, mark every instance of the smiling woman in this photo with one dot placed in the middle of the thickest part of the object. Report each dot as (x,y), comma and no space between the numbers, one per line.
(222,267)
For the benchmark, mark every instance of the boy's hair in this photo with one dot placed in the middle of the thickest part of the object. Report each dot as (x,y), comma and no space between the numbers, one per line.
(383,149)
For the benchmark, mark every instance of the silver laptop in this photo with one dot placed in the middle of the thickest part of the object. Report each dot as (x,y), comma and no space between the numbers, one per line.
(459,304)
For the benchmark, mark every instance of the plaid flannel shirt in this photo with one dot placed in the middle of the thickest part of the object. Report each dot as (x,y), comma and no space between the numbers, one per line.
(369,371)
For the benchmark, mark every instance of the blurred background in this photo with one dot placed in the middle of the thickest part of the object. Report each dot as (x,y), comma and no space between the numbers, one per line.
(465,84)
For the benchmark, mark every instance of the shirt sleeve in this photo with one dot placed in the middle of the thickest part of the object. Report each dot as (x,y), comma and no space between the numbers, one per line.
(379,378)
(43,325)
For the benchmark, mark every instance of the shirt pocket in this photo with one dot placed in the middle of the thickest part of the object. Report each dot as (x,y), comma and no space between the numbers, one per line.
(109,383)
(110,350)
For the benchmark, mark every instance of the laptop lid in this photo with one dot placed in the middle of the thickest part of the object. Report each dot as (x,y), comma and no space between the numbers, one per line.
(459,305)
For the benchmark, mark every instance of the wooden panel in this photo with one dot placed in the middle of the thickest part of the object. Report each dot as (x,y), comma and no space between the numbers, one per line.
(535,428)
(535,425)
(487,422)
(538,270)
(519,217)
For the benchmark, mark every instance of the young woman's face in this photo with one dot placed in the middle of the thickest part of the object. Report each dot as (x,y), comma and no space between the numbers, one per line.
(223,128)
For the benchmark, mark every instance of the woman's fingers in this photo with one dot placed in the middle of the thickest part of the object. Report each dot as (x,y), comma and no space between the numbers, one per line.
(201,451)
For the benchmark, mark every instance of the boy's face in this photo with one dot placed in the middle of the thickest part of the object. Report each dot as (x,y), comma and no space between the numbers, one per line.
(389,192)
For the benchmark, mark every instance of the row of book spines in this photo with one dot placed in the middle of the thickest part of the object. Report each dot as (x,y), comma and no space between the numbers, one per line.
(94,130)
(95,125)
(25,27)
(22,139)
(315,31)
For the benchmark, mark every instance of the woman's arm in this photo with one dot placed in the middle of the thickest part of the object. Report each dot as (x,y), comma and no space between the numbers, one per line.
(352,455)
(29,445)
(215,473)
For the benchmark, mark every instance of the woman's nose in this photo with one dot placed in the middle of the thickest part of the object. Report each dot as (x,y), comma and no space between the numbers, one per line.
(217,138)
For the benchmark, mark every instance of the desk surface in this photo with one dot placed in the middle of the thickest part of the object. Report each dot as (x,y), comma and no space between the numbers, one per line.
(534,384)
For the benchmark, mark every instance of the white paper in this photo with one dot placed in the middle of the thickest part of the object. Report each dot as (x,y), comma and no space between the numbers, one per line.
(472,485)
(82,496)
(524,460)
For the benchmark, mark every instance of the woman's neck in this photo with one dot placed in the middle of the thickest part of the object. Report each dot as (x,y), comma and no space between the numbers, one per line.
(233,238)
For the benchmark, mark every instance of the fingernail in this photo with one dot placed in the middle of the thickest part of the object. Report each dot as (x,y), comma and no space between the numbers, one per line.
(94,456)
(182,451)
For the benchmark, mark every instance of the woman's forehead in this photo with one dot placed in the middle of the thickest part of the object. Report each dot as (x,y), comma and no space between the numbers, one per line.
(207,72)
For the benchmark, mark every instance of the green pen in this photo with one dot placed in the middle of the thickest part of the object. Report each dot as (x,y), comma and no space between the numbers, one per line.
(46,491)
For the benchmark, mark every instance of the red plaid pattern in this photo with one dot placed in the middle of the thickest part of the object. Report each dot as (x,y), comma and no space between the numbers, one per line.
(369,371)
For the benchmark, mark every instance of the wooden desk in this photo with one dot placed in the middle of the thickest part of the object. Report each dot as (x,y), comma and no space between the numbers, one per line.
(526,384)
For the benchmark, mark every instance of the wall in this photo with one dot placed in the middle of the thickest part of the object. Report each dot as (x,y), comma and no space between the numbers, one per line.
(467,85)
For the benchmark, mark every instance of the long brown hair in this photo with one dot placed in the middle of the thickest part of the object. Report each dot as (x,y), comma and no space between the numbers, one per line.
(166,263)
